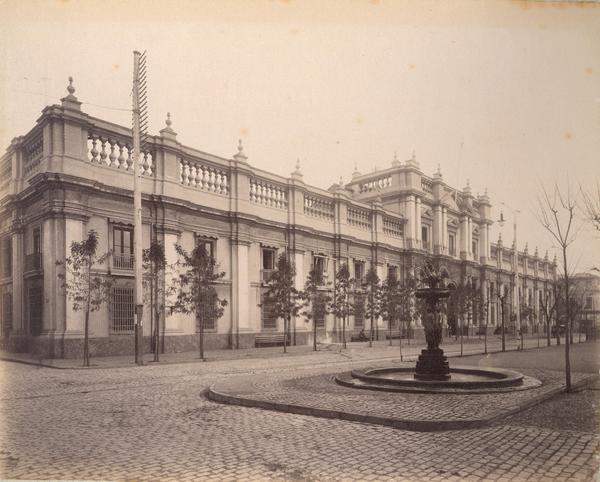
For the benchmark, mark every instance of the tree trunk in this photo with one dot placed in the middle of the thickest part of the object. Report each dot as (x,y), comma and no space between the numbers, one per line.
(390,329)
(401,328)
(548,337)
(344,332)
(285,334)
(371,334)
(86,330)
(157,332)
(568,327)
(461,336)
(201,338)
(314,333)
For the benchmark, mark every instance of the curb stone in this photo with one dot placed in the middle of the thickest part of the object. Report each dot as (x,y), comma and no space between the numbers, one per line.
(403,424)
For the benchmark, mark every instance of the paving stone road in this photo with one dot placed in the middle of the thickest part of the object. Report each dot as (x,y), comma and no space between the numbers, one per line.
(154,422)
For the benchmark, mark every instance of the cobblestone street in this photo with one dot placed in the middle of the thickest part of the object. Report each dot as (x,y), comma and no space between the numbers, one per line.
(154,422)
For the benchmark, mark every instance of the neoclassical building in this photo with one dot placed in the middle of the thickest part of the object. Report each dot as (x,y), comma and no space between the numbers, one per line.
(72,173)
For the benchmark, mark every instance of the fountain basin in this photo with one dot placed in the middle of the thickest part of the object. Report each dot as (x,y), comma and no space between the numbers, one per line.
(462,380)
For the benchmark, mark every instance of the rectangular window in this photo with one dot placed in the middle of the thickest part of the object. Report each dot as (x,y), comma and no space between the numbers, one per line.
(207,244)
(474,249)
(123,309)
(320,264)
(35,300)
(425,237)
(268,316)
(268,264)
(6,313)
(359,271)
(359,311)
(7,257)
(37,241)
(122,248)
(451,245)
(589,302)
(209,317)
(393,271)
(320,309)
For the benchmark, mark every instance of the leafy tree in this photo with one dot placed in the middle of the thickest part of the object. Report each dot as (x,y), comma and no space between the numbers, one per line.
(374,294)
(283,295)
(341,306)
(315,300)
(391,304)
(196,292)
(463,299)
(156,289)
(409,307)
(87,289)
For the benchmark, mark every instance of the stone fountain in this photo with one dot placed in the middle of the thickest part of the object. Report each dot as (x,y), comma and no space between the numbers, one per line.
(432,364)
(432,373)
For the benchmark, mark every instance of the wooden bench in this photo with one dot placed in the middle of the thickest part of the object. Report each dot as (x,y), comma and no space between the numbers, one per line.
(394,336)
(275,339)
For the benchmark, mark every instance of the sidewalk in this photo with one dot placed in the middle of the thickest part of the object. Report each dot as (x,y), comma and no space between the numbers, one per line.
(325,352)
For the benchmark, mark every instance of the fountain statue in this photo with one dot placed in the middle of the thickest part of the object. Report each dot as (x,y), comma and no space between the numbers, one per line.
(432,364)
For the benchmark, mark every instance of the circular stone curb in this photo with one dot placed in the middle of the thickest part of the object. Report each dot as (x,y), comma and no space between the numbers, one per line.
(504,381)
(227,394)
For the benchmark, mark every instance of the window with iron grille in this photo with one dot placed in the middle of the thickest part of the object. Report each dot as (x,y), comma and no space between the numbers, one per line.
(359,311)
(35,299)
(123,309)
(122,248)
(268,316)
(209,318)
(6,313)
(319,312)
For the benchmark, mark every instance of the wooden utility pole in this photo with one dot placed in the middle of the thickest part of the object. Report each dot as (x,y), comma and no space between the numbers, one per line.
(138,96)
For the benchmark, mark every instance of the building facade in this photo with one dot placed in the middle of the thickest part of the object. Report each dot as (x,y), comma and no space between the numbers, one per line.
(72,173)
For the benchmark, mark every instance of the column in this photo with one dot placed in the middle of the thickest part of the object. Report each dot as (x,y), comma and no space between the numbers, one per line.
(240,285)
(409,211)
(470,237)
(18,294)
(437,230)
(444,230)
(418,223)
(464,250)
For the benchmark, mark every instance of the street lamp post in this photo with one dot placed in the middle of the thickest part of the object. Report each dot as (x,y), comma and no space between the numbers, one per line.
(516,297)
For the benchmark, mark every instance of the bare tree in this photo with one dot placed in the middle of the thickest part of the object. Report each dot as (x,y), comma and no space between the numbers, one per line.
(556,213)
(591,205)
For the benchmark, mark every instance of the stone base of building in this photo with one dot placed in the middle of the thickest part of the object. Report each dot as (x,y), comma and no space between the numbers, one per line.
(56,346)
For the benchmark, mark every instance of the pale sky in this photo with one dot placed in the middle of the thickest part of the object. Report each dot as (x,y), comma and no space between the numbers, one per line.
(506,94)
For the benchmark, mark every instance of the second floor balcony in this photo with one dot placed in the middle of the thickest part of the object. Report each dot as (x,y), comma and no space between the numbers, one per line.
(123,261)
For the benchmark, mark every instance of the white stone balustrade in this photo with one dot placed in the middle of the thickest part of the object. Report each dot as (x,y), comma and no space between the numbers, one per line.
(318,207)
(203,176)
(393,227)
(359,218)
(109,152)
(426,185)
(268,194)
(33,155)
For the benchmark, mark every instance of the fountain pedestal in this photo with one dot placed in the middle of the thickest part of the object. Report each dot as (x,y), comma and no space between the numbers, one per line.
(432,365)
